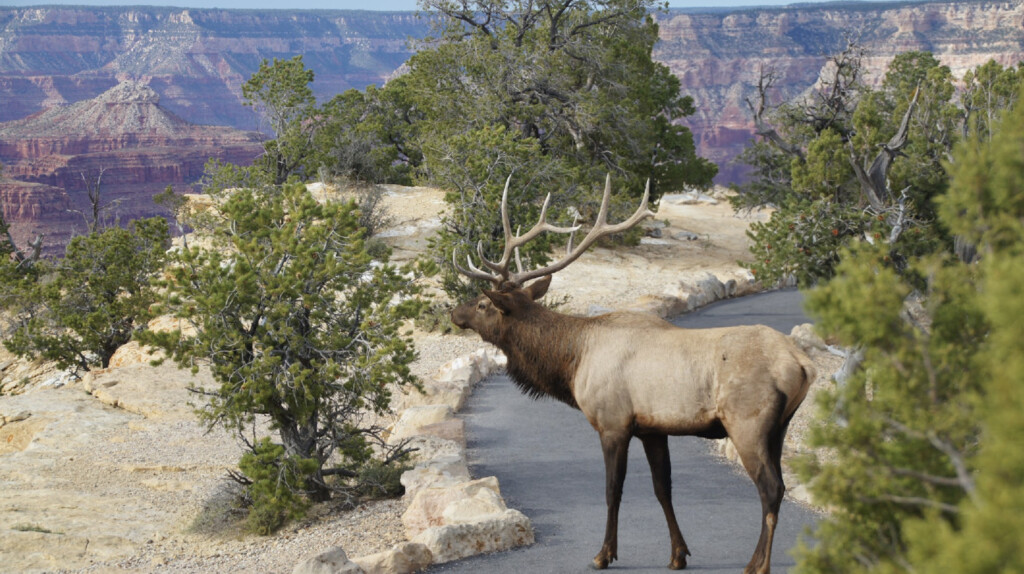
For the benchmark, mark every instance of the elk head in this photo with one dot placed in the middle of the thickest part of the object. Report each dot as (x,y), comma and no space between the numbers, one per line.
(510,297)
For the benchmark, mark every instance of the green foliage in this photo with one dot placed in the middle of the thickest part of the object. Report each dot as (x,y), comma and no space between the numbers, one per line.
(989,89)
(280,92)
(78,310)
(365,136)
(577,77)
(823,168)
(276,478)
(987,536)
(298,325)
(378,480)
(925,465)
(474,168)
(804,240)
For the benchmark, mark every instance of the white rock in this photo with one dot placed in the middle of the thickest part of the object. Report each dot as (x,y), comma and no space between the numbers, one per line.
(428,506)
(473,368)
(805,337)
(446,470)
(495,533)
(402,559)
(428,448)
(454,394)
(414,418)
(482,504)
(333,561)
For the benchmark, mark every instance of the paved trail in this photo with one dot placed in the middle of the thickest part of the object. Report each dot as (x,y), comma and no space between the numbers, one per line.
(548,460)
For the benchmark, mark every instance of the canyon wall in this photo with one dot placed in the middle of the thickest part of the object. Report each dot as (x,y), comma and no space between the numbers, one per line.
(194,61)
(718,55)
(122,142)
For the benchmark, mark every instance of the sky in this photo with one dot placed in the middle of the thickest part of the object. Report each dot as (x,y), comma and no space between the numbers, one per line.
(342,4)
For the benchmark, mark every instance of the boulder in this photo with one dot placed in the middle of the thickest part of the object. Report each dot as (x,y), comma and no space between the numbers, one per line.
(451,429)
(333,561)
(468,501)
(414,418)
(805,338)
(427,448)
(442,472)
(402,559)
(132,353)
(453,394)
(492,533)
(472,368)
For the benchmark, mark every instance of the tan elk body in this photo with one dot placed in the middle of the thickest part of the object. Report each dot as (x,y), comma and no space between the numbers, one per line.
(634,374)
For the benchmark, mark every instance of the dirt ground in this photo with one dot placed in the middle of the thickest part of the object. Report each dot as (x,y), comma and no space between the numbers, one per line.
(114,473)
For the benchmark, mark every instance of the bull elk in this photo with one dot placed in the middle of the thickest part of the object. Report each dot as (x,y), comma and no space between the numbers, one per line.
(634,374)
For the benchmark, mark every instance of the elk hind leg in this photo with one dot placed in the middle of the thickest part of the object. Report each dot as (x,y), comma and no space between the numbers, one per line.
(656,449)
(616,449)
(761,453)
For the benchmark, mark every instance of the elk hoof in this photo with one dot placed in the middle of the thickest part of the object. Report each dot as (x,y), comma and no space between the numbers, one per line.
(602,560)
(678,563)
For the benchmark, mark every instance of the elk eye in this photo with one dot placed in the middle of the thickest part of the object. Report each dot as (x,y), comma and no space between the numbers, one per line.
(481,305)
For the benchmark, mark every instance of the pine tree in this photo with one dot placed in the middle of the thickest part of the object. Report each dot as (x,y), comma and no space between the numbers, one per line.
(920,463)
(300,327)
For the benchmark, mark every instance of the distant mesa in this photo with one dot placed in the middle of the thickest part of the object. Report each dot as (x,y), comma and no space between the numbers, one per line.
(122,140)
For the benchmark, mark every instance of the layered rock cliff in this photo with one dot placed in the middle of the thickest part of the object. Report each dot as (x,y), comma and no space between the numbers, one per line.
(718,55)
(122,141)
(196,60)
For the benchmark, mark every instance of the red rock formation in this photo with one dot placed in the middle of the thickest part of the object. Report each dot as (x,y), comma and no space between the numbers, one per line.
(198,59)
(125,140)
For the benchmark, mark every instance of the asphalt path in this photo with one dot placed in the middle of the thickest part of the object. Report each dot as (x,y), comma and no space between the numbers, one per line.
(549,463)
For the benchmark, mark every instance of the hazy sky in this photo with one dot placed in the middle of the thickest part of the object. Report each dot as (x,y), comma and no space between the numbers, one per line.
(337,4)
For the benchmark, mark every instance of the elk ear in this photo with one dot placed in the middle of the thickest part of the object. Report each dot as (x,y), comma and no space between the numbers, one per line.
(538,288)
(503,301)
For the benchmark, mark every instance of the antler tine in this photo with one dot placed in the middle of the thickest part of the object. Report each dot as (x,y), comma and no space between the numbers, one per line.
(512,243)
(473,272)
(600,229)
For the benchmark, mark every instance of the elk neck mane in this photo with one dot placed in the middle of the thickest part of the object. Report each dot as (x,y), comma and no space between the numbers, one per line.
(543,349)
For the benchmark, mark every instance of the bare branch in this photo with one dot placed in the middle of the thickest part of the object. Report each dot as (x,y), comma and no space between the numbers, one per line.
(874,181)
(917,501)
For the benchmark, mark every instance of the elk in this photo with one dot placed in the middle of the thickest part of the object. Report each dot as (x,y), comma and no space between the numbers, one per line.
(634,374)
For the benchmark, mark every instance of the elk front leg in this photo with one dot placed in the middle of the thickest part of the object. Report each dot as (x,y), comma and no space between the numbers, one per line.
(656,448)
(616,448)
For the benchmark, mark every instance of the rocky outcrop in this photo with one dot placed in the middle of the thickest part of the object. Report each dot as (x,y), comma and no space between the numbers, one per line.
(123,141)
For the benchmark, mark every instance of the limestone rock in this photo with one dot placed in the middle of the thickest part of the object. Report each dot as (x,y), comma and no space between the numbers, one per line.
(428,448)
(402,559)
(166,323)
(805,338)
(414,418)
(434,476)
(132,353)
(472,368)
(493,533)
(450,429)
(333,561)
(154,392)
(429,505)
(453,394)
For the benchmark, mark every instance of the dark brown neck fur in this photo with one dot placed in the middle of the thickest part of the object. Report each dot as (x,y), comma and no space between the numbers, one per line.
(543,349)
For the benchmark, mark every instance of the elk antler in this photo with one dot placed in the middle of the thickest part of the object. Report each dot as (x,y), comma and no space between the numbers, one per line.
(502,276)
